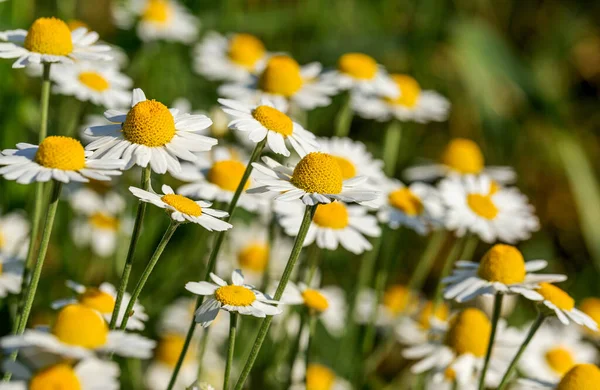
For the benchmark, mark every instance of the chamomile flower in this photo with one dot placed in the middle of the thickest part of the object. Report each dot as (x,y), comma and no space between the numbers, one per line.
(176,317)
(56,157)
(317,178)
(591,307)
(267,120)
(182,209)
(353,157)
(502,269)
(80,332)
(580,377)
(316,377)
(420,324)
(475,204)
(166,355)
(150,133)
(236,298)
(396,301)
(456,375)
(229,58)
(14,235)
(284,82)
(11,275)
(558,302)
(49,40)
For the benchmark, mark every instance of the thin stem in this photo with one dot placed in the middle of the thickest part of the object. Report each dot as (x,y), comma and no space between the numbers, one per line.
(431,252)
(454,253)
(295,349)
(148,270)
(272,238)
(313,260)
(202,350)
(264,328)
(135,235)
(312,324)
(536,325)
(343,119)
(45,101)
(391,146)
(488,355)
(233,319)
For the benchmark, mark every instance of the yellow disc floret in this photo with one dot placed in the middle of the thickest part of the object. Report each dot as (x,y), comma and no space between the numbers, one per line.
(319,377)
(463,156)
(103,221)
(94,81)
(590,306)
(274,120)
(482,205)
(254,256)
(246,50)
(331,216)
(442,311)
(469,332)
(60,152)
(358,65)
(169,348)
(59,376)
(235,295)
(80,325)
(98,299)
(409,91)
(406,201)
(560,360)
(318,172)
(281,76)
(581,377)
(157,11)
(502,263)
(149,123)
(49,36)
(2,240)
(227,174)
(182,204)
(557,296)
(314,300)
(396,298)
(347,167)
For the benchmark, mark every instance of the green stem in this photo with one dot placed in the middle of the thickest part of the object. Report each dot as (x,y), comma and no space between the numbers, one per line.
(536,325)
(148,270)
(343,119)
(295,349)
(202,350)
(313,265)
(454,253)
(264,328)
(135,235)
(272,237)
(391,147)
(45,101)
(488,355)
(431,252)
(312,325)
(233,319)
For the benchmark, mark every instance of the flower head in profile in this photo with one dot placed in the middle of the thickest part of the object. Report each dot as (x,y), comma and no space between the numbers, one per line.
(558,302)
(580,377)
(49,40)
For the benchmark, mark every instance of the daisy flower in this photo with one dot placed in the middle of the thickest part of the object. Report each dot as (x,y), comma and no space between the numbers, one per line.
(150,133)
(229,58)
(176,317)
(501,270)
(236,298)
(557,302)
(14,235)
(316,377)
(166,355)
(50,40)
(353,157)
(456,376)
(591,307)
(419,325)
(580,377)
(184,209)
(79,332)
(284,82)
(317,178)
(11,275)
(56,157)
(267,120)
(396,300)
(475,204)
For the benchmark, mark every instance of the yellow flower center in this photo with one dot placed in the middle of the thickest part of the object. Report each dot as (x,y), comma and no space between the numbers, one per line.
(482,205)
(347,167)
(560,360)
(404,200)
(581,377)
(60,152)
(246,50)
(80,325)
(182,204)
(59,376)
(149,123)
(463,156)
(254,256)
(318,172)
(104,221)
(74,24)
(395,298)
(358,65)
(274,120)
(97,299)
(450,374)
(313,299)
(281,76)
(332,216)
(502,263)
(441,312)
(319,377)
(94,81)
(494,187)
(590,306)
(2,240)
(157,11)
(557,296)
(169,348)
(235,295)
(409,91)
(49,36)
(469,332)
(227,174)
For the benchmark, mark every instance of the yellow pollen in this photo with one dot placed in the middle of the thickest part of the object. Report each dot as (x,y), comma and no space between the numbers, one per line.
(347,167)
(557,296)
(182,204)
(469,332)
(409,91)
(395,298)
(281,76)
(157,11)
(590,306)
(246,50)
(168,350)
(318,172)
(560,360)
(441,313)
(59,376)
(406,201)
(313,299)
(94,81)
(482,205)
(254,256)
(502,263)
(581,377)
(149,123)
(274,120)
(332,216)
(74,24)
(235,295)
(104,221)
(80,325)
(60,152)
(319,377)
(450,374)
(463,156)
(97,299)
(227,174)
(49,36)
(358,65)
